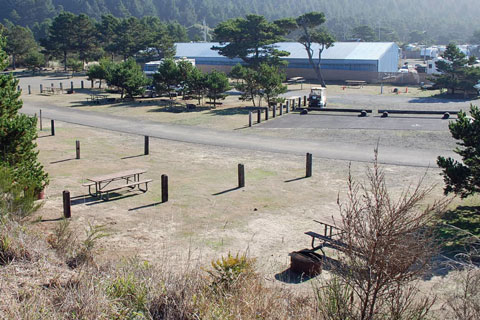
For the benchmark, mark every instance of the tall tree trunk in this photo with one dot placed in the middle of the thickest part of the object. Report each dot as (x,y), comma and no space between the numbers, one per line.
(65,61)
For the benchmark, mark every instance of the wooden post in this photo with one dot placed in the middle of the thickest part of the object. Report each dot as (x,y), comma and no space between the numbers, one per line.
(281,109)
(41,88)
(51,85)
(67,211)
(164,188)
(274,111)
(61,87)
(52,126)
(18,88)
(299,102)
(259,116)
(304,101)
(266,113)
(71,85)
(41,127)
(77,148)
(287,106)
(91,84)
(241,175)
(250,118)
(293,104)
(81,84)
(309,165)
(29,90)
(146,147)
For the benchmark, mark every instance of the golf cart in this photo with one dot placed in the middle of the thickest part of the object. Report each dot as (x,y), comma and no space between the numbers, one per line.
(317,97)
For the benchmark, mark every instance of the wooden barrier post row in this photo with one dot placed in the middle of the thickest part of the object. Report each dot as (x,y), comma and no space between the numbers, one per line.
(241,175)
(146,146)
(67,210)
(52,126)
(164,188)
(259,116)
(77,149)
(250,118)
(41,126)
(309,165)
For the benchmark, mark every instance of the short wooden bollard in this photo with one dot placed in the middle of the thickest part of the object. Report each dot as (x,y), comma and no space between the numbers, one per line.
(259,116)
(51,85)
(29,89)
(281,109)
(304,101)
(81,84)
(41,125)
(52,127)
(164,188)
(61,86)
(91,83)
(309,165)
(274,111)
(299,102)
(71,85)
(293,104)
(41,88)
(67,210)
(287,106)
(266,113)
(19,89)
(250,118)
(146,148)
(77,149)
(241,175)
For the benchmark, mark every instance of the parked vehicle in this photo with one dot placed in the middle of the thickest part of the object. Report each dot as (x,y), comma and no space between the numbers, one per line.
(317,97)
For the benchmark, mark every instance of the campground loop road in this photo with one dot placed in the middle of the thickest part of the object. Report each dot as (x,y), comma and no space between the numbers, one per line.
(240,139)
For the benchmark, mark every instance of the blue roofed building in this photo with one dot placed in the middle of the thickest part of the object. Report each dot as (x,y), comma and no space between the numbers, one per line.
(366,61)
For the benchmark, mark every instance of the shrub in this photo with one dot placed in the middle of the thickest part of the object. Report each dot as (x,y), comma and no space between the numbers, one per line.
(228,270)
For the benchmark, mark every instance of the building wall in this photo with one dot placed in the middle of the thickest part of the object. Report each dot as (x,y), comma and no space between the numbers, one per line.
(389,61)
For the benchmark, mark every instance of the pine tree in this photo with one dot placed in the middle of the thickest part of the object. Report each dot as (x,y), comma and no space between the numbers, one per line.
(463,178)
(17,134)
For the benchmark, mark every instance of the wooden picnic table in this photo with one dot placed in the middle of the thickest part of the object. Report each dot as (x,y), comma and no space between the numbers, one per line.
(105,183)
(97,97)
(355,83)
(52,90)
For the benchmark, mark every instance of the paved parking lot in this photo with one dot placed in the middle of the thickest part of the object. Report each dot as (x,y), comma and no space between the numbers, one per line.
(353,121)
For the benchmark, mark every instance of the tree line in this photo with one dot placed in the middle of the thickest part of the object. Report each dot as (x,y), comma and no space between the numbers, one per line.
(390,20)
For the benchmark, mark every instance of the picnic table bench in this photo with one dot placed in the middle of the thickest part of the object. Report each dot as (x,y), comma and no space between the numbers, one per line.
(52,90)
(105,184)
(97,98)
(355,83)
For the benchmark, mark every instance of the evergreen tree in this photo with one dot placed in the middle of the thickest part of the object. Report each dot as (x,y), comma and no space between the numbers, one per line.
(251,39)
(216,83)
(455,71)
(196,83)
(167,76)
(20,41)
(17,134)
(463,178)
(128,76)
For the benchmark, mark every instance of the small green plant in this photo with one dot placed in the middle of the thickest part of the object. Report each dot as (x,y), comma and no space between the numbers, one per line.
(228,270)
(131,294)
